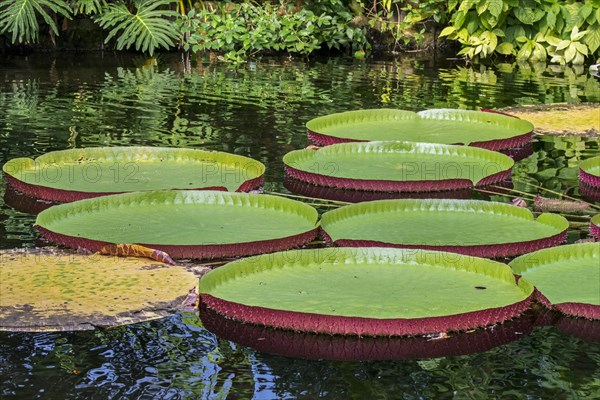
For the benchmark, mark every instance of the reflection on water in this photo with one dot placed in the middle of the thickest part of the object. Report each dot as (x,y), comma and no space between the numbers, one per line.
(259,110)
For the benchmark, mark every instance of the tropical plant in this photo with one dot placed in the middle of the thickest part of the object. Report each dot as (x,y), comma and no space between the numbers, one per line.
(527,29)
(88,7)
(246,29)
(19,17)
(146,28)
(406,21)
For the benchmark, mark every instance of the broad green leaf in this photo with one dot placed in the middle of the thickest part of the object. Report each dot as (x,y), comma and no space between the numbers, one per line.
(189,219)
(444,126)
(458,223)
(550,19)
(482,6)
(369,283)
(505,48)
(554,41)
(447,31)
(127,169)
(495,7)
(576,34)
(367,163)
(592,39)
(570,53)
(564,274)
(528,15)
(581,48)
(563,45)
(525,51)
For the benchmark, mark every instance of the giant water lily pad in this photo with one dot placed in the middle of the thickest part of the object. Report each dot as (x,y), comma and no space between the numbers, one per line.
(567,277)
(589,172)
(398,166)
(365,291)
(196,224)
(447,126)
(48,290)
(479,228)
(76,174)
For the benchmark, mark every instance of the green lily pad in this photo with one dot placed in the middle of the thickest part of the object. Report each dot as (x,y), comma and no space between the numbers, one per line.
(75,174)
(567,277)
(365,291)
(591,166)
(480,228)
(51,290)
(197,224)
(398,166)
(445,126)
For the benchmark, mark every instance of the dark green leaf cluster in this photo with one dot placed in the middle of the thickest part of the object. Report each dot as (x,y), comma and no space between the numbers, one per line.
(566,32)
(19,17)
(246,29)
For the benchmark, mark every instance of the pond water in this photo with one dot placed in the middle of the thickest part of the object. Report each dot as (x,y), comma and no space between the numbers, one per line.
(50,102)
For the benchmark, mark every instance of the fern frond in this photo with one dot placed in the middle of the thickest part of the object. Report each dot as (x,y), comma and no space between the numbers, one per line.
(20,17)
(147,29)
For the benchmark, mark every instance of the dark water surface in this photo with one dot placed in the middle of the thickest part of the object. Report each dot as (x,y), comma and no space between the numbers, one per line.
(259,110)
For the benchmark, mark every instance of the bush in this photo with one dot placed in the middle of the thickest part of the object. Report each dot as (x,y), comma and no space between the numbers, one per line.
(534,30)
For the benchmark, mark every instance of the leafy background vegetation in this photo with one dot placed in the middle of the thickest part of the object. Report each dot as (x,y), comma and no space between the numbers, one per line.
(562,32)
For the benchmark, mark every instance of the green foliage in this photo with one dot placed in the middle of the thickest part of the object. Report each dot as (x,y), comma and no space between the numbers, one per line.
(248,29)
(406,21)
(19,17)
(147,28)
(88,7)
(527,29)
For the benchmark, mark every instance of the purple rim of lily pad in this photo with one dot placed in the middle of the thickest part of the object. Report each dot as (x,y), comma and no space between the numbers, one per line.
(589,192)
(25,204)
(589,179)
(206,251)
(484,250)
(360,326)
(352,348)
(357,196)
(574,309)
(320,139)
(586,329)
(519,153)
(377,185)
(67,196)
(594,230)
